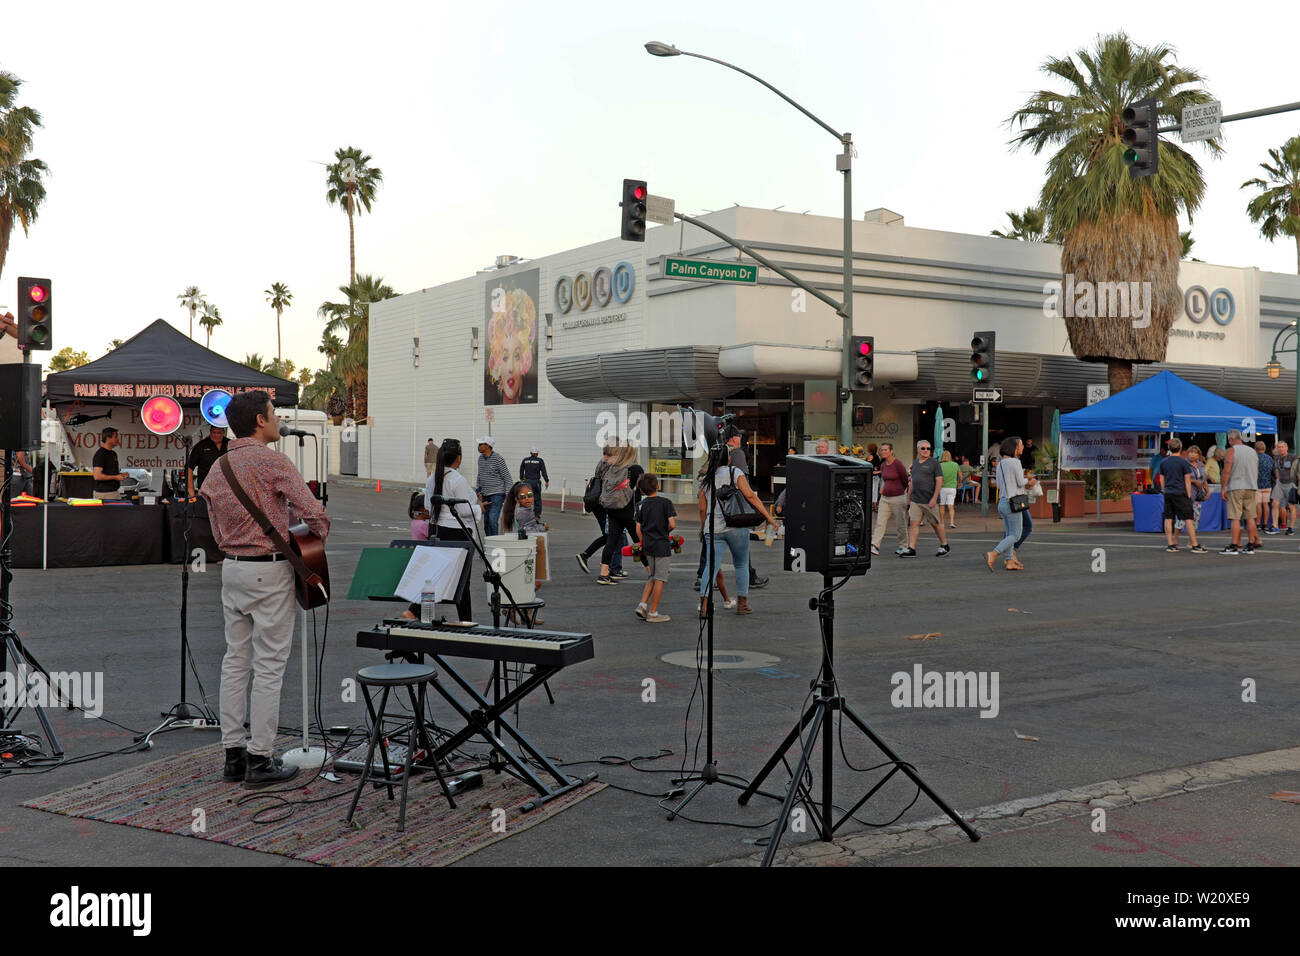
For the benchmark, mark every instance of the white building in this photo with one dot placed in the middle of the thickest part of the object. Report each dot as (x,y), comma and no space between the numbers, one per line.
(771,353)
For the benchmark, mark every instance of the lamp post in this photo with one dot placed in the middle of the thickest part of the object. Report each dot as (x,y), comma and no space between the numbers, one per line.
(844,164)
(1274,369)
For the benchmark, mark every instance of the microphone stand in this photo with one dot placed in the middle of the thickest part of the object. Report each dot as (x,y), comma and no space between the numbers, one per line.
(306,757)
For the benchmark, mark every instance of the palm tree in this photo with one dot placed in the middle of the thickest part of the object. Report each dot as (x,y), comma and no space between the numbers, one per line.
(115,344)
(21,189)
(1028,226)
(351,359)
(1186,241)
(1115,228)
(211,319)
(192,299)
(1277,207)
(254,361)
(352,184)
(280,298)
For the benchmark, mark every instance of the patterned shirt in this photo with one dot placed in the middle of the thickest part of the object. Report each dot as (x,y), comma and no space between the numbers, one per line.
(1265,470)
(273,484)
(494,476)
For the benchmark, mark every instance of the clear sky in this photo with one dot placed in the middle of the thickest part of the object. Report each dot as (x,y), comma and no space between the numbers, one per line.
(186,142)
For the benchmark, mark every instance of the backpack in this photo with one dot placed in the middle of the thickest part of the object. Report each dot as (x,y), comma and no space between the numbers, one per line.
(615,489)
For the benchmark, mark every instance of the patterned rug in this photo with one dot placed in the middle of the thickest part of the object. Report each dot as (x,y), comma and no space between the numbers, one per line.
(185,795)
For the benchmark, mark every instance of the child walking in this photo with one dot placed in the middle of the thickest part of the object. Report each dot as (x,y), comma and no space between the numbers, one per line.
(656,521)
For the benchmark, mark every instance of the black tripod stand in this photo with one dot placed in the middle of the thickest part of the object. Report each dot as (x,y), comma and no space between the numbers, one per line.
(820,716)
(11,645)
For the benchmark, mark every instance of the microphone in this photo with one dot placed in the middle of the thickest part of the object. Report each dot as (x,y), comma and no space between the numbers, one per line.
(298,432)
(440,500)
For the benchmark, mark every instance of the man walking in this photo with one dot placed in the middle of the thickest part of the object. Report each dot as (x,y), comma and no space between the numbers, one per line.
(430,457)
(494,482)
(533,470)
(1283,462)
(257,585)
(1240,488)
(1175,480)
(927,480)
(893,500)
(1265,495)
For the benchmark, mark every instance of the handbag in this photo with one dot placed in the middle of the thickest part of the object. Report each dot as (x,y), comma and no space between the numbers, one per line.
(736,510)
(1019,502)
(591,496)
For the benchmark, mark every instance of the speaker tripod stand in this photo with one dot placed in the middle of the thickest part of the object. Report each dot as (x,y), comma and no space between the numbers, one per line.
(819,717)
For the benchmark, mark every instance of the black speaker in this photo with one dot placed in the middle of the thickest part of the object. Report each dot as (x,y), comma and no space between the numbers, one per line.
(20,407)
(827,514)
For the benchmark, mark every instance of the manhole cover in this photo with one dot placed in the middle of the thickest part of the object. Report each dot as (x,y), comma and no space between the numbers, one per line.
(723,660)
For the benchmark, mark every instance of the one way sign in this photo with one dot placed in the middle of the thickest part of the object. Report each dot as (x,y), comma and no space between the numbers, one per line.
(986,395)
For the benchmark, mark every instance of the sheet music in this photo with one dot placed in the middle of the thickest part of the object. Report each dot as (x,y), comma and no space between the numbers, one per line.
(443,565)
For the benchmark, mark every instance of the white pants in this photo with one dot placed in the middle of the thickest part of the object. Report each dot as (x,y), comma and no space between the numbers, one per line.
(258,600)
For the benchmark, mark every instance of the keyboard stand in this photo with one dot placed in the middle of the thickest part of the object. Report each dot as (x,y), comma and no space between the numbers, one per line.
(480,722)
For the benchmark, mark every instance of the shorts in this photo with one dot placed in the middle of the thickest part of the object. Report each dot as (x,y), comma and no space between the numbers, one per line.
(1180,507)
(658,567)
(947,496)
(919,512)
(1261,496)
(1240,503)
(1282,492)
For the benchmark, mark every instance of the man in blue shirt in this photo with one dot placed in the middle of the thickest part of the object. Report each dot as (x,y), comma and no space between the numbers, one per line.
(1175,479)
(1265,488)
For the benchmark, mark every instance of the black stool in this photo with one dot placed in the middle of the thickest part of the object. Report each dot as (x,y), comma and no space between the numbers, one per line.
(388,676)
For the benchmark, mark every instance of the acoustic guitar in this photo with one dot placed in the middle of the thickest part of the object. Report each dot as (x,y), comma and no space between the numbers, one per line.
(312,591)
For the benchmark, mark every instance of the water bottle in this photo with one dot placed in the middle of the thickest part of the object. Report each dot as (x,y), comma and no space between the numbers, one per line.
(428,602)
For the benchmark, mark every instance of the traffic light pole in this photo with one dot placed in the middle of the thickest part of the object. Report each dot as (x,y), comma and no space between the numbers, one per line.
(984,485)
(844,163)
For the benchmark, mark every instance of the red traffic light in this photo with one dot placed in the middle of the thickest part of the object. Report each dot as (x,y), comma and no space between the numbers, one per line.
(38,293)
(864,348)
(638,192)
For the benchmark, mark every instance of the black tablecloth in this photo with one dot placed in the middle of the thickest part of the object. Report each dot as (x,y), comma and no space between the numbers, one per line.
(89,537)
(200,531)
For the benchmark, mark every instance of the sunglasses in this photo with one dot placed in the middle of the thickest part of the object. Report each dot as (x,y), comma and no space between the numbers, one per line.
(525,494)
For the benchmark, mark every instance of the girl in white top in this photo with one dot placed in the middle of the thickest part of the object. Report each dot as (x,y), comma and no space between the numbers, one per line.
(448,482)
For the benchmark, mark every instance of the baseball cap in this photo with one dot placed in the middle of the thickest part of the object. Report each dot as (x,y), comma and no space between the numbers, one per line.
(487,440)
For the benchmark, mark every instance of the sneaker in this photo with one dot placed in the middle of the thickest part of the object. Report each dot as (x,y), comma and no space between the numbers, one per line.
(1199,549)
(1248,549)
(1290,530)
(875,550)
(641,611)
(899,550)
(620,573)
(730,605)
(943,549)
(696,585)
(1230,549)
(582,563)
(236,764)
(657,618)
(758,582)
(606,579)
(907,553)
(264,771)
(1272,531)
(1172,548)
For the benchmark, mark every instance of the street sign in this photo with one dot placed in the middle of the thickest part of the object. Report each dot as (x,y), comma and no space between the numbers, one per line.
(660,209)
(986,395)
(709,270)
(1098,393)
(1201,121)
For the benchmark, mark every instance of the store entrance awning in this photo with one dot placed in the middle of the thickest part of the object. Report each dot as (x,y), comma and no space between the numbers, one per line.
(684,374)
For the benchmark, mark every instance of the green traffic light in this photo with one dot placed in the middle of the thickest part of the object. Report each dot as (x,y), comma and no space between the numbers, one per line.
(978,374)
(1130,157)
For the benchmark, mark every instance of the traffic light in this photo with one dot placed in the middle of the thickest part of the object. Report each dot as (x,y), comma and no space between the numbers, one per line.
(862,352)
(35,310)
(1141,141)
(983,357)
(634,196)
(863,415)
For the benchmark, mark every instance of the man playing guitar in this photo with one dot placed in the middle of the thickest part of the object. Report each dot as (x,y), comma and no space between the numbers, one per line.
(257,586)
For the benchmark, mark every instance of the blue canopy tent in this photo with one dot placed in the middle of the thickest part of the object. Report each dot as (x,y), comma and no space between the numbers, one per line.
(1167,403)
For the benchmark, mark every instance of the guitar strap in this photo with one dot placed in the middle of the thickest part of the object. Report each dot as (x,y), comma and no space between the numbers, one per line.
(305,573)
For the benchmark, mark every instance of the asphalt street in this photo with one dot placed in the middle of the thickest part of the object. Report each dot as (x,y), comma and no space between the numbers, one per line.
(1158,662)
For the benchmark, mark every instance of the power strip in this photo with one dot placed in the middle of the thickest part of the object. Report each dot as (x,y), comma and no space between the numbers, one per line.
(198,723)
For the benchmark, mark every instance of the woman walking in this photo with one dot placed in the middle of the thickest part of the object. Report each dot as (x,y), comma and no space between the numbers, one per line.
(1011,482)
(597,511)
(616,498)
(736,540)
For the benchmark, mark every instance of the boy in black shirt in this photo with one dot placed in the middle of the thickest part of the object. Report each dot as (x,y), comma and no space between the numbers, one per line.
(1175,479)
(656,521)
(108,476)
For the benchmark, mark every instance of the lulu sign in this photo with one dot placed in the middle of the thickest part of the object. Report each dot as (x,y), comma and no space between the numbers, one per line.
(599,288)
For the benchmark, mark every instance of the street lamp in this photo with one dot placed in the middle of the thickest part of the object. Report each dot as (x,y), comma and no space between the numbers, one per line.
(844,164)
(1274,369)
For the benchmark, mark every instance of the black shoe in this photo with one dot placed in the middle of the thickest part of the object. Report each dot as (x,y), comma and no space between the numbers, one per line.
(907,553)
(264,771)
(1230,549)
(696,585)
(582,563)
(606,579)
(943,549)
(236,764)
(1248,549)
(757,582)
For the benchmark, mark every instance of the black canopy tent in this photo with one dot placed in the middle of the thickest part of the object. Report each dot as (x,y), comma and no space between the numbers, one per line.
(161,360)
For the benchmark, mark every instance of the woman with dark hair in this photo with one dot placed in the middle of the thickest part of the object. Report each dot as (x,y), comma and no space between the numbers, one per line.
(1011,482)
(447,482)
(597,512)
(520,509)
(735,540)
